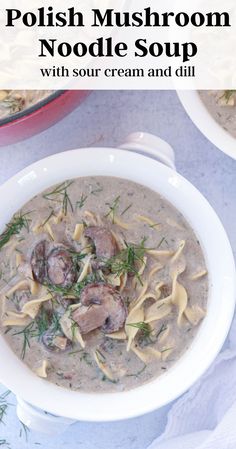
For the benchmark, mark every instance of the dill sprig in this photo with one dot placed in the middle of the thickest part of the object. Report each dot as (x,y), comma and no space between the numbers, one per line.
(37,327)
(15,226)
(126,209)
(113,207)
(126,260)
(75,289)
(42,322)
(228,94)
(101,357)
(81,202)
(27,332)
(60,195)
(162,329)
(76,257)
(142,326)
(96,190)
(52,214)
(3,405)
(138,372)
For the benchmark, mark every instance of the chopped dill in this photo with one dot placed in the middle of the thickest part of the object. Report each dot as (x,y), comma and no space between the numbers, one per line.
(160,243)
(154,225)
(76,257)
(96,190)
(81,201)
(60,195)
(66,202)
(142,326)
(85,357)
(15,226)
(75,289)
(52,214)
(37,327)
(101,357)
(162,329)
(42,322)
(27,332)
(126,209)
(3,405)
(113,207)
(227,95)
(125,261)
(75,352)
(138,373)
(167,349)
(106,379)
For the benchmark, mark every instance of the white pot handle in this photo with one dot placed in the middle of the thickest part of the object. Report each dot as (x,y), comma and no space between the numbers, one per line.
(152,146)
(41,421)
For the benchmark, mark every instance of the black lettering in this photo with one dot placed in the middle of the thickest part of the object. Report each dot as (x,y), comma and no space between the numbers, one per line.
(189,50)
(182,19)
(79,49)
(198,19)
(73,16)
(100,20)
(137,19)
(139,45)
(61,19)
(166,16)
(12,15)
(216,19)
(29,19)
(156,49)
(47,45)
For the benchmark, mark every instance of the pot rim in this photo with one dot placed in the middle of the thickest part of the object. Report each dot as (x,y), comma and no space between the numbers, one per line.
(9,120)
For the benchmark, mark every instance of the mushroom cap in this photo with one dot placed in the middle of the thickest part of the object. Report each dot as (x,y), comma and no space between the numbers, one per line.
(60,267)
(104,305)
(55,267)
(103,240)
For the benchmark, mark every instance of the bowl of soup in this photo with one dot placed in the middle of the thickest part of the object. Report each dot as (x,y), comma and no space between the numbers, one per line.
(116,295)
(26,113)
(214,113)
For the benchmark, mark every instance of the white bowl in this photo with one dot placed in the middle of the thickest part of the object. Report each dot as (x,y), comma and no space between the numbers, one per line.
(204,121)
(219,259)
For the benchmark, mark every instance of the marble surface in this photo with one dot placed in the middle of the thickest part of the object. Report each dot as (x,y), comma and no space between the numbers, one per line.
(104,119)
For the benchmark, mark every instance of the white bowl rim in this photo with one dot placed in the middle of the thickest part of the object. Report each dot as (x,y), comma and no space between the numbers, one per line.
(116,406)
(204,121)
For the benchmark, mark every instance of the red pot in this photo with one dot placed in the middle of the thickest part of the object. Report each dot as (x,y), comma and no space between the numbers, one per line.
(40,116)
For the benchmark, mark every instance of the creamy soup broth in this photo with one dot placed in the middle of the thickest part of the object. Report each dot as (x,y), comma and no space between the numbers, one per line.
(222,107)
(13,101)
(103,284)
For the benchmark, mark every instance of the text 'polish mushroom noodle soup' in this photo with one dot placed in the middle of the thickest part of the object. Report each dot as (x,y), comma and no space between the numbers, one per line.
(103,284)
(14,101)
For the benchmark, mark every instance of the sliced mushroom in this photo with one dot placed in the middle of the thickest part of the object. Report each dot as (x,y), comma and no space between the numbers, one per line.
(60,268)
(90,318)
(39,261)
(55,267)
(102,307)
(104,242)
(50,341)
